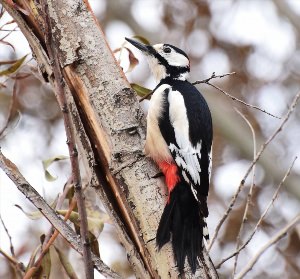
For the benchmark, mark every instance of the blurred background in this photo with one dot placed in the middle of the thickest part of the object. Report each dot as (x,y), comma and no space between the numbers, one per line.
(258,39)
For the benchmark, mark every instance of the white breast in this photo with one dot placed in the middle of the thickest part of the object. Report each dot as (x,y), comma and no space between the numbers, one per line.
(156,147)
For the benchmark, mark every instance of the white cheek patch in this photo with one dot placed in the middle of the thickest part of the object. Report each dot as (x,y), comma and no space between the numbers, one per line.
(177,59)
(158,70)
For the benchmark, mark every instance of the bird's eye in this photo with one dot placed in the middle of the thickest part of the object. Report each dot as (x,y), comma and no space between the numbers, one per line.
(167,50)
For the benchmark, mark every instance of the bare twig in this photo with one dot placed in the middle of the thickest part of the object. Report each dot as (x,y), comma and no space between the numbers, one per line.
(30,272)
(34,197)
(213,75)
(59,84)
(207,81)
(12,250)
(238,239)
(59,204)
(196,82)
(262,148)
(272,241)
(19,265)
(261,218)
(146,96)
(238,100)
(11,110)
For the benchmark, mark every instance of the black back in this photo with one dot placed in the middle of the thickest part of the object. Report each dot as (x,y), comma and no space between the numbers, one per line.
(200,125)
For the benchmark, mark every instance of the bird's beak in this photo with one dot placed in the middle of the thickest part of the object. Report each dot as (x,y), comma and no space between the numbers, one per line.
(138,45)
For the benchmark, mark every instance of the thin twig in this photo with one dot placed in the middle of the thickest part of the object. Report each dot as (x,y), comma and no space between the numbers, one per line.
(213,75)
(249,197)
(274,197)
(12,250)
(19,265)
(9,32)
(11,110)
(207,81)
(262,148)
(194,83)
(240,101)
(272,241)
(59,204)
(30,272)
(37,200)
(59,84)
(146,96)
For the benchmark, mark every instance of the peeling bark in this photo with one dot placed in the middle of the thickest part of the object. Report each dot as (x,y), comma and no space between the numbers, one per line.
(110,130)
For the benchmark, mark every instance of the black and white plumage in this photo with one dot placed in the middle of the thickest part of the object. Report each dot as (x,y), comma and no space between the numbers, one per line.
(179,139)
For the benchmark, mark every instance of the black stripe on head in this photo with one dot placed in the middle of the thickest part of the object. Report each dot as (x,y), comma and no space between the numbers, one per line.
(172,71)
(177,50)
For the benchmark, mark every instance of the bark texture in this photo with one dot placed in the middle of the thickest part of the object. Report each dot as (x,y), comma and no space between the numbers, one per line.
(110,131)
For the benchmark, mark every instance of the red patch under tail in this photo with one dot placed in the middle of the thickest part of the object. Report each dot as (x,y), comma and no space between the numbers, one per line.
(170,170)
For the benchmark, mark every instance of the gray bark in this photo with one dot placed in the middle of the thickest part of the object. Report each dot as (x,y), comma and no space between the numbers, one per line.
(111,131)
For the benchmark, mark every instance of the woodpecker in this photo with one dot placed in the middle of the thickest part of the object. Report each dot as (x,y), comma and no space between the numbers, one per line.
(179,139)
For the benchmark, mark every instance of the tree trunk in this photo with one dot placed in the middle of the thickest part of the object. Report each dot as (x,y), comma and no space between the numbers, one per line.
(110,131)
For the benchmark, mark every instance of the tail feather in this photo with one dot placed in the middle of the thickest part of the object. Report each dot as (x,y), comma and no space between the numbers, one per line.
(183,218)
(163,234)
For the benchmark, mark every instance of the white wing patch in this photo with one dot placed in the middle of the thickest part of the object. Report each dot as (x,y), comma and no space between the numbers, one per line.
(205,230)
(185,154)
(188,160)
(209,164)
(194,192)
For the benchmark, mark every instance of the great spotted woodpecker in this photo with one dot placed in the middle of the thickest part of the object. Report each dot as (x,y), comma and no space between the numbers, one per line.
(179,140)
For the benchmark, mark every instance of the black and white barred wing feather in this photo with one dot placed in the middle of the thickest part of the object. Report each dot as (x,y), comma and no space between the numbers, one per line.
(185,124)
(190,151)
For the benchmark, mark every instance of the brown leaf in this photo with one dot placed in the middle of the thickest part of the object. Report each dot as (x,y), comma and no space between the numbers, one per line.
(14,67)
(66,264)
(8,44)
(133,61)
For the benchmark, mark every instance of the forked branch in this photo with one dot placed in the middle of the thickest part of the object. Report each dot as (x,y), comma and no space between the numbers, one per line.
(34,197)
(272,241)
(258,155)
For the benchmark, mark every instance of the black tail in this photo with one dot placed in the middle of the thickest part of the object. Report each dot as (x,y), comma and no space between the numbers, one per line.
(184,217)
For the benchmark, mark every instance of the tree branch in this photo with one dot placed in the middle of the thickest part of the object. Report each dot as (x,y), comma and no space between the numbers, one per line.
(259,222)
(249,196)
(207,81)
(61,96)
(12,250)
(46,246)
(115,128)
(272,241)
(259,153)
(33,196)
(14,262)
(213,76)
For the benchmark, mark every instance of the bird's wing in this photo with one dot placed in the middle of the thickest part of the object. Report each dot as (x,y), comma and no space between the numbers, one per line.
(188,142)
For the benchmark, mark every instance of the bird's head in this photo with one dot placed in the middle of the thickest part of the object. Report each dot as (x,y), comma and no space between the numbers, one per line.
(165,60)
